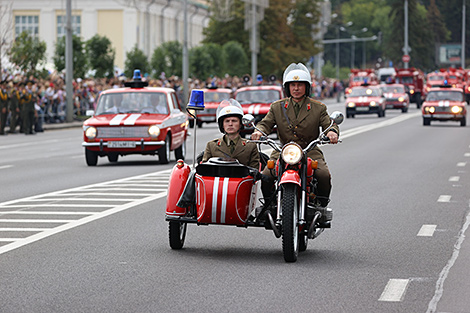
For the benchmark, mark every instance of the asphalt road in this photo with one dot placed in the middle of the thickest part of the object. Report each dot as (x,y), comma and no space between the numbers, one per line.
(98,241)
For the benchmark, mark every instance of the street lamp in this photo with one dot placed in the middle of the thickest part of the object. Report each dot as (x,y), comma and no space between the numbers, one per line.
(338,28)
(353,43)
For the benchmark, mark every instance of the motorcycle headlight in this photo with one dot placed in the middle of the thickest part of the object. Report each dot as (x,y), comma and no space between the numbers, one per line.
(456,109)
(90,133)
(154,131)
(291,153)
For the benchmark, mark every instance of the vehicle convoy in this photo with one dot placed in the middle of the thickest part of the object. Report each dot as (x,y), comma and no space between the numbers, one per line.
(384,74)
(228,193)
(414,79)
(444,104)
(135,119)
(212,98)
(396,97)
(357,77)
(365,99)
(256,100)
(436,79)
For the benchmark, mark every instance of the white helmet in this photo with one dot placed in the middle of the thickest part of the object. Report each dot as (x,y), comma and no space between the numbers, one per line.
(228,108)
(297,73)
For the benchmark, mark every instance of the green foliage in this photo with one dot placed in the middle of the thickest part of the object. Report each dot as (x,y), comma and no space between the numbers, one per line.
(168,58)
(80,62)
(206,61)
(329,70)
(100,56)
(236,60)
(28,53)
(136,59)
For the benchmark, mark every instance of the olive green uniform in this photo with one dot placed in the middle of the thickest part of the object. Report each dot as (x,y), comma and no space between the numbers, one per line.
(4,100)
(28,99)
(301,128)
(244,151)
(14,109)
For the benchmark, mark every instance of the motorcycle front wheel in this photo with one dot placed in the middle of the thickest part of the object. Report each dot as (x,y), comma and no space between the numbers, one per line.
(290,222)
(177,234)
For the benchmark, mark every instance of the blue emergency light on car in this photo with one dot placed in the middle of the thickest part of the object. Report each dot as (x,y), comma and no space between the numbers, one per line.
(137,75)
(136,81)
(196,101)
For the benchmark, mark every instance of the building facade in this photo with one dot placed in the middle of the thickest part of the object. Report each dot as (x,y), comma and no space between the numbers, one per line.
(145,23)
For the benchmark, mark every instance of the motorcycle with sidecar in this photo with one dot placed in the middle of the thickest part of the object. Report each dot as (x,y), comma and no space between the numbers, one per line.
(229,193)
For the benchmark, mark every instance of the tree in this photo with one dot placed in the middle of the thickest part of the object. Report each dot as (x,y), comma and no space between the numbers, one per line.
(136,59)
(80,64)
(6,19)
(438,27)
(168,58)
(236,60)
(206,61)
(28,53)
(100,55)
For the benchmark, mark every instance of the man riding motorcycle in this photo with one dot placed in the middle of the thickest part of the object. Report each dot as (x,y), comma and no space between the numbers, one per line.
(298,118)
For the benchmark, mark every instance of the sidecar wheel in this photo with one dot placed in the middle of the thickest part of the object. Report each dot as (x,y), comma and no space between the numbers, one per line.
(177,233)
(290,223)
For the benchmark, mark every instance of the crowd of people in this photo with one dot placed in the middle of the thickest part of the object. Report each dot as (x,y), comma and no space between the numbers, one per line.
(26,103)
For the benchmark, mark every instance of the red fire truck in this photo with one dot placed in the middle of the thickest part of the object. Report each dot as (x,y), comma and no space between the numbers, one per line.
(414,78)
(361,76)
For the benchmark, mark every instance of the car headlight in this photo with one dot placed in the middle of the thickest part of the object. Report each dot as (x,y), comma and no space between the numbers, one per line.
(373,103)
(91,132)
(456,109)
(401,99)
(291,153)
(412,91)
(432,110)
(154,131)
(351,105)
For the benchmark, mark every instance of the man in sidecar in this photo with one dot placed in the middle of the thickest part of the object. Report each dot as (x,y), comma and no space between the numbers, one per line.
(231,144)
(298,118)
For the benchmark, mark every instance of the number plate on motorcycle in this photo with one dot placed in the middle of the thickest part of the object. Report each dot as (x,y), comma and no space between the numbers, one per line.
(121,144)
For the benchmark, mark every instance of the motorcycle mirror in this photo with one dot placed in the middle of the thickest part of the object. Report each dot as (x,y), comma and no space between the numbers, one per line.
(248,120)
(337,117)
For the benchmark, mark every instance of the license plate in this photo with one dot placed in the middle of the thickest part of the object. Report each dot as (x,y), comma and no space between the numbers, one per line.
(362,108)
(121,144)
(206,118)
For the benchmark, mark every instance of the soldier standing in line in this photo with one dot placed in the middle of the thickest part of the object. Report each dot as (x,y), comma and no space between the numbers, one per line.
(3,106)
(14,106)
(29,99)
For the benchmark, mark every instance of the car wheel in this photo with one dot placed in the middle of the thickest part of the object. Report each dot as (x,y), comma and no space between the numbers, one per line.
(164,151)
(91,157)
(463,121)
(404,110)
(180,152)
(113,157)
(426,121)
(177,234)
(199,124)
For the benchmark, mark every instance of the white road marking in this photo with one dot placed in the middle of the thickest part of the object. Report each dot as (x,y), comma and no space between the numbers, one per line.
(461,164)
(444,198)
(5,166)
(432,307)
(14,220)
(366,128)
(454,178)
(395,290)
(427,231)
(467,155)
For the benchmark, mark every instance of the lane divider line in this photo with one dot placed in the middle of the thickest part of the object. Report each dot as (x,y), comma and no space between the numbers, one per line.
(394,290)
(444,198)
(427,231)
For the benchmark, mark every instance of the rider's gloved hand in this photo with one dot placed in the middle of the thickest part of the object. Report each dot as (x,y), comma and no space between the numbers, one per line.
(256,135)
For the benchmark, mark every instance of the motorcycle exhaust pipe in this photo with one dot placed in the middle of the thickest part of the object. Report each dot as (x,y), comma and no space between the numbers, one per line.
(276,230)
(311,230)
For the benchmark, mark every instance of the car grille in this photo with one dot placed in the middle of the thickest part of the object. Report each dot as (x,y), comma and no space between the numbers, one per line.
(122,132)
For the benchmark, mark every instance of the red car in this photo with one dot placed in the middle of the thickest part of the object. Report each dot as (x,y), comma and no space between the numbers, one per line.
(212,99)
(365,100)
(136,120)
(396,97)
(445,104)
(256,100)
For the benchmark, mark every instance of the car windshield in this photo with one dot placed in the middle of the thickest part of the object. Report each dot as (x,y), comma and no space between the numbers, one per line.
(436,77)
(132,102)
(257,96)
(393,89)
(359,78)
(216,96)
(405,80)
(363,92)
(444,95)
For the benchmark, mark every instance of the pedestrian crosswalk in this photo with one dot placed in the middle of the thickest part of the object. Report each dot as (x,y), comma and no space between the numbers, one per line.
(26,220)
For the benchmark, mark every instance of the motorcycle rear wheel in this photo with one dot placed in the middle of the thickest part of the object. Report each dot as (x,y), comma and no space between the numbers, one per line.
(177,234)
(290,222)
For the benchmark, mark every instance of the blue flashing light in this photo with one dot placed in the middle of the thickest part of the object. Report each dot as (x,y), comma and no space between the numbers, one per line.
(445,82)
(259,78)
(390,64)
(196,101)
(137,75)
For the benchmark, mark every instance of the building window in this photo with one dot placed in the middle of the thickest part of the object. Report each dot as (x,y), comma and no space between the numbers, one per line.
(29,23)
(61,23)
